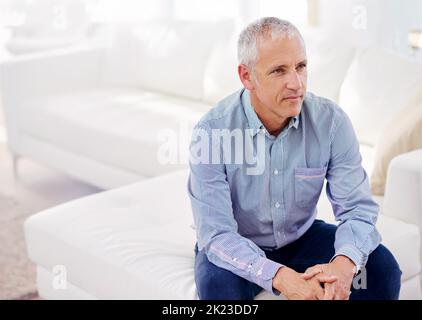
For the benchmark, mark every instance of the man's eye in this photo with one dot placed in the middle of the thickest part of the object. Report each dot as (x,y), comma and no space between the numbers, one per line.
(278,71)
(302,66)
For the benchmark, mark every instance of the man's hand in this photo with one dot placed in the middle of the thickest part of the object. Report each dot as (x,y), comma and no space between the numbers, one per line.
(343,269)
(294,287)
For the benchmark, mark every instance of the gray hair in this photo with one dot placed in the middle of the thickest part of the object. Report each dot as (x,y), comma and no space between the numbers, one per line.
(247,45)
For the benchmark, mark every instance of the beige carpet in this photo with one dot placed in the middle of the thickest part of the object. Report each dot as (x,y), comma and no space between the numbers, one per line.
(36,189)
(17,279)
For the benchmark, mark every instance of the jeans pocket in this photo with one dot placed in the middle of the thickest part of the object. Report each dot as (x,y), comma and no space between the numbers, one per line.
(308,185)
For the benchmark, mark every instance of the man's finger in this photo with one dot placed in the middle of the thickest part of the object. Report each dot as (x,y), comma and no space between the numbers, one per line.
(329,291)
(342,295)
(319,291)
(326,278)
(311,272)
(307,276)
(338,296)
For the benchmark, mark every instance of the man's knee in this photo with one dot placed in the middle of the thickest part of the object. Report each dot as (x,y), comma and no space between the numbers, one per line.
(220,286)
(214,283)
(381,276)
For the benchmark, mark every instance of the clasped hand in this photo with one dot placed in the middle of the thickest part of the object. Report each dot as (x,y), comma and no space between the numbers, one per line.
(331,281)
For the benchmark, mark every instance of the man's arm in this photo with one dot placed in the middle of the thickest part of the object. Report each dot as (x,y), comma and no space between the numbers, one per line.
(349,193)
(216,228)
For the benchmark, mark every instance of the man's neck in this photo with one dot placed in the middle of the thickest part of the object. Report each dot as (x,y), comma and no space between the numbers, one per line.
(271,121)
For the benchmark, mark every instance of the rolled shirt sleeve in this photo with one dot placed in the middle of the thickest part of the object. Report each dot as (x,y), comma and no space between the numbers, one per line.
(216,227)
(350,196)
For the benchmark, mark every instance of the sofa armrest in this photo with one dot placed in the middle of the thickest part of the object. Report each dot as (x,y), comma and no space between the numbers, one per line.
(54,71)
(40,74)
(403,192)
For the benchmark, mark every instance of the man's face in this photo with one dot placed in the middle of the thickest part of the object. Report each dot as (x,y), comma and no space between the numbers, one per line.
(280,75)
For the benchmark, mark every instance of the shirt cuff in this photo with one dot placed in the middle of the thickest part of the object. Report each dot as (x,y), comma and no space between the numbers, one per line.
(353,254)
(266,273)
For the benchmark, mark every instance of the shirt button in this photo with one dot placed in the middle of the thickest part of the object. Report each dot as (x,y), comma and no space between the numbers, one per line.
(279,233)
(262,130)
(277,205)
(275,171)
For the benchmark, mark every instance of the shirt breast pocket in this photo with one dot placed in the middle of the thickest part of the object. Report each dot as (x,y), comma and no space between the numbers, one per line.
(308,185)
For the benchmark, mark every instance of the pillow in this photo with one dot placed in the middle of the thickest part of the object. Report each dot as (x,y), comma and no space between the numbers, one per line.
(220,77)
(39,31)
(164,56)
(377,87)
(403,134)
(327,66)
(119,57)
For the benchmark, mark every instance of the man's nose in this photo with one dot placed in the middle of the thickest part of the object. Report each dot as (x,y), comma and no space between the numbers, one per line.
(294,82)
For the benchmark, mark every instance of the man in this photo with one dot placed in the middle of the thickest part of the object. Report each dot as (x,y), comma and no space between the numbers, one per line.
(256,229)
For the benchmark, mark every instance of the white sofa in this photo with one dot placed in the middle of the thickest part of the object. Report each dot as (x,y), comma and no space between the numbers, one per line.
(96,113)
(136,242)
(121,97)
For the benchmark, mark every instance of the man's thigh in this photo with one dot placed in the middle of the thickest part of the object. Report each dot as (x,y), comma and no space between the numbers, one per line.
(316,246)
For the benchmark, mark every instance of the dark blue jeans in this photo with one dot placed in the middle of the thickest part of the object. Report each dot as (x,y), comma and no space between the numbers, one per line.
(316,246)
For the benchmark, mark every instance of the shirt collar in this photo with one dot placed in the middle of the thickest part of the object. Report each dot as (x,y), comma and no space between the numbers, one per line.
(252,117)
(294,122)
(253,120)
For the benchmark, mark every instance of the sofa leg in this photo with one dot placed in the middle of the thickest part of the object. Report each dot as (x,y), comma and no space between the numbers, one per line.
(15,159)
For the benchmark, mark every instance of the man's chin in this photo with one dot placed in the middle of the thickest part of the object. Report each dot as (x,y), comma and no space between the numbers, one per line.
(293,108)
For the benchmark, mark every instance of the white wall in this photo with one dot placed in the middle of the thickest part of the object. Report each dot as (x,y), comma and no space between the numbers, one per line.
(382,23)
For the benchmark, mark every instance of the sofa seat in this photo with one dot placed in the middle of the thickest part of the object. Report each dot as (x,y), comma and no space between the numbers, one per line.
(123,124)
(138,248)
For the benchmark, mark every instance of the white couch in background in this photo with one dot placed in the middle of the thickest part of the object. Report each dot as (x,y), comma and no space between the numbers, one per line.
(95,113)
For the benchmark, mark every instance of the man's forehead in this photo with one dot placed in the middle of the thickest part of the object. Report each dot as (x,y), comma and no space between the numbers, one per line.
(269,34)
(281,50)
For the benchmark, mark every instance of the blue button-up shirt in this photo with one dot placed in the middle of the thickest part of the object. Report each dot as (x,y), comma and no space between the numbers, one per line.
(241,207)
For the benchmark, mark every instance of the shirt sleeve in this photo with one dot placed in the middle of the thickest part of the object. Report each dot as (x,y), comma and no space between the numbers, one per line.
(216,228)
(350,196)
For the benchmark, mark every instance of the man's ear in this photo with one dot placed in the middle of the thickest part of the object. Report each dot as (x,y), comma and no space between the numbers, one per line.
(245,76)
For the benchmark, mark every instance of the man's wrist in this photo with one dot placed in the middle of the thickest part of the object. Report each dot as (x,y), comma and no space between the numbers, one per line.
(345,260)
(278,278)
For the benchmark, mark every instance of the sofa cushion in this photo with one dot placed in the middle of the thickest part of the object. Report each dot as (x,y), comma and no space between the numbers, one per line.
(327,67)
(129,128)
(168,57)
(402,135)
(220,76)
(376,88)
(136,242)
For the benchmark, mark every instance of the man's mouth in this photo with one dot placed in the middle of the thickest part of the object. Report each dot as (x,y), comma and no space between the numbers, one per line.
(293,98)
